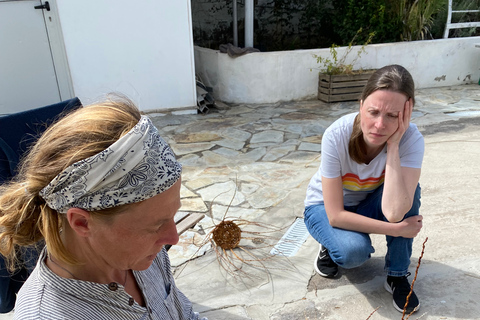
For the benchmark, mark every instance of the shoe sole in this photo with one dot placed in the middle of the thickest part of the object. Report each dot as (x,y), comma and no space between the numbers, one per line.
(389,289)
(318,271)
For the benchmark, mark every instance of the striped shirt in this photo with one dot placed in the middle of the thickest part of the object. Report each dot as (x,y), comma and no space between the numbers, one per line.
(46,295)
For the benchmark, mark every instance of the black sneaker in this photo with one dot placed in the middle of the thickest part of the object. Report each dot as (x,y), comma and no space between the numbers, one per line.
(399,287)
(324,265)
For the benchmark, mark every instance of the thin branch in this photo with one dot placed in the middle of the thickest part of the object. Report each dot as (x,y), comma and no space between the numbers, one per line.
(373,312)
(413,282)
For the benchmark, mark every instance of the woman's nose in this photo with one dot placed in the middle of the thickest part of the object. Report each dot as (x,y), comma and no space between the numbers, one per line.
(379,123)
(170,235)
(173,236)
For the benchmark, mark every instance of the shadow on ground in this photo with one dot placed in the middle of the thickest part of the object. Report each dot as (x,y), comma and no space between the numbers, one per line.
(443,291)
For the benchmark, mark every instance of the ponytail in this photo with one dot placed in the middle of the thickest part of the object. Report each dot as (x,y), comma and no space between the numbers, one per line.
(20,218)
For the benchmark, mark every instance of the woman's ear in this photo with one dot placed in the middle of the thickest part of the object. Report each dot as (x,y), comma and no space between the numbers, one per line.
(79,221)
(361,104)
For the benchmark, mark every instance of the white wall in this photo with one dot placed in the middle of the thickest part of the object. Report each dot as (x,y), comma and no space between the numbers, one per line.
(141,48)
(268,77)
(27,74)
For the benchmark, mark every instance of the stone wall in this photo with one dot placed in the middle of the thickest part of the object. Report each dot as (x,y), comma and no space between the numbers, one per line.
(267,77)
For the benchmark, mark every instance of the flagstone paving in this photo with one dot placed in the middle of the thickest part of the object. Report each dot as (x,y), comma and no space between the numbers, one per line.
(253,162)
(259,170)
(262,152)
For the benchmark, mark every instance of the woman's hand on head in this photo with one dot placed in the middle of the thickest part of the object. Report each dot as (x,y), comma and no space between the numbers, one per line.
(403,122)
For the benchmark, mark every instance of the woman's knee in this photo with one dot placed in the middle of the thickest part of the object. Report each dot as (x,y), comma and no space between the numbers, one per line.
(352,253)
(316,221)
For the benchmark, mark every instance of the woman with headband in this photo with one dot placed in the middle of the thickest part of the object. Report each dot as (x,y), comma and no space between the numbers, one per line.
(101,188)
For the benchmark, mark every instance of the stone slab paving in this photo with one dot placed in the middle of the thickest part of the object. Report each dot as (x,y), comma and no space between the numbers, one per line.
(279,154)
(253,163)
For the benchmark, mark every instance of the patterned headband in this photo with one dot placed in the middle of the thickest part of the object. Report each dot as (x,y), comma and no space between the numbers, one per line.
(136,167)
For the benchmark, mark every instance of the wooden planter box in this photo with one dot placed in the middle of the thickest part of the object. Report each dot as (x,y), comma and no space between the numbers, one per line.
(342,87)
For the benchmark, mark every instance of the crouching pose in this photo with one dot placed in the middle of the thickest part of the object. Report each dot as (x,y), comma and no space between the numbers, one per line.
(101,188)
(368,183)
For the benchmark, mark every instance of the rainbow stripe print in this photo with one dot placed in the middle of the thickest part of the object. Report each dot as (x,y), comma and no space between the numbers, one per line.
(352,182)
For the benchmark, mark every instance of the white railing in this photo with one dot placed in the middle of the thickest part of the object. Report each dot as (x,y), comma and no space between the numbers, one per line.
(458,25)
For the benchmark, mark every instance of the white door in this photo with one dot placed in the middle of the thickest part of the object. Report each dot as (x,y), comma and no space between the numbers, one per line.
(27,73)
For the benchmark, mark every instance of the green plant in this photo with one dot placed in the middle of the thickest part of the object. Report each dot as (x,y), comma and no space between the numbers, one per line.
(371,15)
(417,17)
(337,65)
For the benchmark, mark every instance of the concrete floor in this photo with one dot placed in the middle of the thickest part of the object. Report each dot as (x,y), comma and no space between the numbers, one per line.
(262,157)
(448,281)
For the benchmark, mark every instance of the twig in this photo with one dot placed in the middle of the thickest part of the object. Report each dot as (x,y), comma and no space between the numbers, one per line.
(413,282)
(472,275)
(373,312)
(310,162)
(421,316)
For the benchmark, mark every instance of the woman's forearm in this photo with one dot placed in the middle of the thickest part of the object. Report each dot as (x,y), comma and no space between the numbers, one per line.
(397,198)
(352,221)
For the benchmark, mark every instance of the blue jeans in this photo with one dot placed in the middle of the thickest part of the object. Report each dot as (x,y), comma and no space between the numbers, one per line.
(350,249)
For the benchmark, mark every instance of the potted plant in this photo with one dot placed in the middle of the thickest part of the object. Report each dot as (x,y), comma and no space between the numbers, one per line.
(337,81)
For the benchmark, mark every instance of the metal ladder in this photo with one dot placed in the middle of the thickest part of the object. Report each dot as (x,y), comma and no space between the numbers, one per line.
(451,25)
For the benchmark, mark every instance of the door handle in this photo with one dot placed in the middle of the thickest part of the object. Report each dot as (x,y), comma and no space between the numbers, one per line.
(46,5)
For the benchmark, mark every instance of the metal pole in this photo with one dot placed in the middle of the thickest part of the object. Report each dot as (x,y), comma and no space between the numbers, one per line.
(235,24)
(449,20)
(248,23)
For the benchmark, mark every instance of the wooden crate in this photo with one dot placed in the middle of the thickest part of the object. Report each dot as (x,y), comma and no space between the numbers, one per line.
(342,87)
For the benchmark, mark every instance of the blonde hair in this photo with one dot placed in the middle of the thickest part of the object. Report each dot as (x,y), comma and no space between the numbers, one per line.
(392,78)
(25,218)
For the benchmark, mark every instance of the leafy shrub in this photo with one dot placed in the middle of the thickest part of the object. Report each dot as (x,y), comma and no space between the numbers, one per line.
(305,24)
(348,16)
(337,65)
(417,17)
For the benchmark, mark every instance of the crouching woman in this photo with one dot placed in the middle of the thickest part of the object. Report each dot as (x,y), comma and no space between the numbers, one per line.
(367,183)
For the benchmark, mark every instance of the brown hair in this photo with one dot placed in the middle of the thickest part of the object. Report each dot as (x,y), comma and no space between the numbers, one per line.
(25,218)
(392,78)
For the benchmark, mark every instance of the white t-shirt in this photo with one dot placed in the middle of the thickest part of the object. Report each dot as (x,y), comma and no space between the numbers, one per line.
(358,179)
